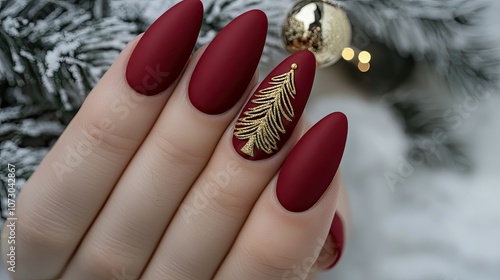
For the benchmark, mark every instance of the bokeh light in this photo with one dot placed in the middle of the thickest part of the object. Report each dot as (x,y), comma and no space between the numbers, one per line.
(364,57)
(348,54)
(364,67)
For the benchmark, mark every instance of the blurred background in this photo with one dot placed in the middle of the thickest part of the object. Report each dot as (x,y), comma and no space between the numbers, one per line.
(418,80)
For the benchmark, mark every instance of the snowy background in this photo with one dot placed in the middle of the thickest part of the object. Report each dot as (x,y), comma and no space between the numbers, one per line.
(423,223)
(435,224)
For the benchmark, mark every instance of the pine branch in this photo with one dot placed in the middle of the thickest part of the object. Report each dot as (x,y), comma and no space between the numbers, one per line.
(56,51)
(422,121)
(98,8)
(52,53)
(262,124)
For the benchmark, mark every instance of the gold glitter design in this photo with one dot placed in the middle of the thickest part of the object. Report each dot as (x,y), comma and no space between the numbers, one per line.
(262,124)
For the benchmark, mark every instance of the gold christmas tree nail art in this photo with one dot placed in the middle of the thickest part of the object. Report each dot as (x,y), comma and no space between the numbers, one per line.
(262,124)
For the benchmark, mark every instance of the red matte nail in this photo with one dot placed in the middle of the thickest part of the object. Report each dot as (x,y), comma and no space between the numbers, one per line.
(228,64)
(337,234)
(164,49)
(311,165)
(269,118)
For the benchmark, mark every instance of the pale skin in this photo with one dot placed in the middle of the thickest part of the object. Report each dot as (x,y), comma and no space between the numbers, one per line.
(151,188)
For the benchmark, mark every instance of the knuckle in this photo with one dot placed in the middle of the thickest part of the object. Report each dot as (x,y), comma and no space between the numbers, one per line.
(95,135)
(103,260)
(215,198)
(263,261)
(179,265)
(225,199)
(43,232)
(175,152)
(174,269)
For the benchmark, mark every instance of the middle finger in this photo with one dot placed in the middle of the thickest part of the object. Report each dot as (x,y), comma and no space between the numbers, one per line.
(177,149)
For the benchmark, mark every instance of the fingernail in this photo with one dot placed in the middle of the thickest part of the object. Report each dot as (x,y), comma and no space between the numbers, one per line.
(269,118)
(228,64)
(311,165)
(164,49)
(337,235)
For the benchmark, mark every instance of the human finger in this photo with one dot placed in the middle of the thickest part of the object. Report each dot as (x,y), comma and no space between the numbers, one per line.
(62,198)
(210,94)
(287,229)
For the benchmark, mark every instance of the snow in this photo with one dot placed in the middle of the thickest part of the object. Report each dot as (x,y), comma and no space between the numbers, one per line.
(36,128)
(438,223)
(64,99)
(27,55)
(18,66)
(10,25)
(78,21)
(10,113)
(47,82)
(75,74)
(54,57)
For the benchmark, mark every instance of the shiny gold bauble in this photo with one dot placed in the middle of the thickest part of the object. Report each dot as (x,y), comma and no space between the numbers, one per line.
(318,26)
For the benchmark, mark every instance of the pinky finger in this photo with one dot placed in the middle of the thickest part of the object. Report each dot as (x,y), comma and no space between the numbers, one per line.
(287,229)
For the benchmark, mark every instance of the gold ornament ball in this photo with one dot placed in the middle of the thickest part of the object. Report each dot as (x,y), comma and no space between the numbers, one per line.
(318,26)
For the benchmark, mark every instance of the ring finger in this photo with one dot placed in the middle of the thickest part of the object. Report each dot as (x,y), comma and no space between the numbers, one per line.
(285,234)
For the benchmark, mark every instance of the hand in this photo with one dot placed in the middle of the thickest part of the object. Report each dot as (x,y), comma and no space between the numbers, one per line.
(157,177)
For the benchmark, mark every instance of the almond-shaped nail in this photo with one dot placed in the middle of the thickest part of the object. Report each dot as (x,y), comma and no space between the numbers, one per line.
(164,49)
(269,118)
(312,164)
(228,64)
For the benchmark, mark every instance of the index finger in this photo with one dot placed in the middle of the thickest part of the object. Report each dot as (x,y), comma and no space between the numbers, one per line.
(62,198)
